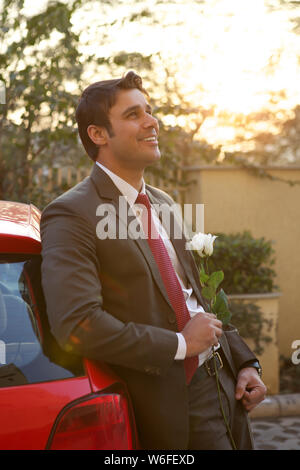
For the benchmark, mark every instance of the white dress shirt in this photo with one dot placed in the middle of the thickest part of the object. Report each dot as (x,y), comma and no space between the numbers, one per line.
(130,193)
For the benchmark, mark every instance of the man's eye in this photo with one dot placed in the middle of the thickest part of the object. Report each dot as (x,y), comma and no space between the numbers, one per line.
(132,114)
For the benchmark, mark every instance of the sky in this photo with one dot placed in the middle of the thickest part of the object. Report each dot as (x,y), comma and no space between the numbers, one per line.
(235,57)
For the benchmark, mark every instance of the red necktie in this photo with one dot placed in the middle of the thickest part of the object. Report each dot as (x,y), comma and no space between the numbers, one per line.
(169,278)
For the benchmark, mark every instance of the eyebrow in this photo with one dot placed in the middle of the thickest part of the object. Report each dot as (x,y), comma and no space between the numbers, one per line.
(136,107)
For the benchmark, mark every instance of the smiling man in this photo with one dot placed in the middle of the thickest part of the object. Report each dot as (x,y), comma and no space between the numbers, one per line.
(136,303)
(130,143)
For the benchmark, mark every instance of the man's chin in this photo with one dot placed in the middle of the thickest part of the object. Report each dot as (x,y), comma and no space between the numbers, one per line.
(153,159)
(141,161)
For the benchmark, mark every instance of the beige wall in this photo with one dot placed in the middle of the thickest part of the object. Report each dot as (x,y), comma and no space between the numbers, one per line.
(235,200)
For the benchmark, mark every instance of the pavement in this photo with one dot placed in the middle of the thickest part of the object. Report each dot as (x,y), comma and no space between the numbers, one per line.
(278,433)
(276,423)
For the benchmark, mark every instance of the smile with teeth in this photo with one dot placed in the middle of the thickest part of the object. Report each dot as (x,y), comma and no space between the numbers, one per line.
(150,139)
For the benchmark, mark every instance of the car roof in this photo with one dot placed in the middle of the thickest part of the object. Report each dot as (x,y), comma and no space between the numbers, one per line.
(19,227)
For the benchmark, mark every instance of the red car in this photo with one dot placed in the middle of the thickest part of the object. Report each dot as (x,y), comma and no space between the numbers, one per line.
(49,399)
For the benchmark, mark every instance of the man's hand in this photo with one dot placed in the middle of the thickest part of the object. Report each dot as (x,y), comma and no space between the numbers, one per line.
(250,388)
(201,332)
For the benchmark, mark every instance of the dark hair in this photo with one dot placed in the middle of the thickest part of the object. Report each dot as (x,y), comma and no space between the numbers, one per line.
(95,103)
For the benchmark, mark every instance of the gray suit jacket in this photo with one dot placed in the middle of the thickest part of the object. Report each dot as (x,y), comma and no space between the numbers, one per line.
(106,301)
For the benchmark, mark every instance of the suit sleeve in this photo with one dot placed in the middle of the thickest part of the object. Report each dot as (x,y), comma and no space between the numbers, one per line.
(72,289)
(240,352)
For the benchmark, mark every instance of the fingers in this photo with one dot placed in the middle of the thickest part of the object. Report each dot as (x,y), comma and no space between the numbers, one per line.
(240,388)
(251,399)
(250,389)
(209,315)
(217,330)
(213,318)
(246,401)
(216,333)
(256,395)
(201,332)
(216,341)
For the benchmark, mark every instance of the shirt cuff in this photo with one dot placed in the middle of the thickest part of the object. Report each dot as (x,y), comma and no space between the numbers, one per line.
(181,349)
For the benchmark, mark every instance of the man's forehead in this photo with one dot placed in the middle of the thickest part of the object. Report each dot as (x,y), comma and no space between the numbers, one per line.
(128,98)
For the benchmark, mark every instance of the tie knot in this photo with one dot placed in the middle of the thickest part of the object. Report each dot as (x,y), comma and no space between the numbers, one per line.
(143,199)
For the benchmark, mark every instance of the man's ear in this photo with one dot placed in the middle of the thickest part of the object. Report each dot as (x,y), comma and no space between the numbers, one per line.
(97,134)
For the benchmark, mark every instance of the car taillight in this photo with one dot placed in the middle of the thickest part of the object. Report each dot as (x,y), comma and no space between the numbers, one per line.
(100,422)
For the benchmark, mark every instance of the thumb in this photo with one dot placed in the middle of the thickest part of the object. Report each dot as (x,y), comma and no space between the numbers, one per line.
(240,388)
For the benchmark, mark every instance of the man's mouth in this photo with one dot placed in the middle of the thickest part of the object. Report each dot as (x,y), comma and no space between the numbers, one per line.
(150,139)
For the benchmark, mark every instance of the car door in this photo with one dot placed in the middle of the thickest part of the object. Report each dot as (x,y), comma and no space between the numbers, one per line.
(33,388)
(50,398)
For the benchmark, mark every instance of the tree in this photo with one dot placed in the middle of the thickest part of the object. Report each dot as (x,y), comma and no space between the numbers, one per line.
(43,71)
(39,62)
(39,54)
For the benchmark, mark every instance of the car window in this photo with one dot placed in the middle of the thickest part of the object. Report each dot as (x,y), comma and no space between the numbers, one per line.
(28,351)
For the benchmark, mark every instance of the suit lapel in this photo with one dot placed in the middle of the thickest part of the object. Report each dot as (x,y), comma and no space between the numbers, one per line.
(108,190)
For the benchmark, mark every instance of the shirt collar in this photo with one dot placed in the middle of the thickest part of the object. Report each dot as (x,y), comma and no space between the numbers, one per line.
(126,189)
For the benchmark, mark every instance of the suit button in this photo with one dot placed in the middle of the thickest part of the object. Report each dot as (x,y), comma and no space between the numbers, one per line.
(172,319)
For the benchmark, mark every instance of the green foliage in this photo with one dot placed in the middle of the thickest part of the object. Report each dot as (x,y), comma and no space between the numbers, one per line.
(246,263)
(134,60)
(248,319)
(39,57)
(221,308)
(39,54)
(210,282)
(289,376)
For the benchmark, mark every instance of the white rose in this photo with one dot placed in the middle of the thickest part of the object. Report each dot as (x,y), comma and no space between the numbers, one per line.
(209,244)
(203,244)
(197,243)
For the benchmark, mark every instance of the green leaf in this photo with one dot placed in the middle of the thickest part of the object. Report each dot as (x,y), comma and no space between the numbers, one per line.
(208,292)
(203,277)
(224,317)
(215,279)
(220,307)
(221,303)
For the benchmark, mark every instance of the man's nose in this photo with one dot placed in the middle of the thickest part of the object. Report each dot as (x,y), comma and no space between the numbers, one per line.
(151,121)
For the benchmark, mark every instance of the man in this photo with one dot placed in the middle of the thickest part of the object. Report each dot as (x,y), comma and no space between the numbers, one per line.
(111,298)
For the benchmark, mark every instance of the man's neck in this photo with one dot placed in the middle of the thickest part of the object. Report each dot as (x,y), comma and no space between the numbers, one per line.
(131,176)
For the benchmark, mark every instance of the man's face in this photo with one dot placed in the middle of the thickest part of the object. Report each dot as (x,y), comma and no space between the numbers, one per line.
(134,141)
